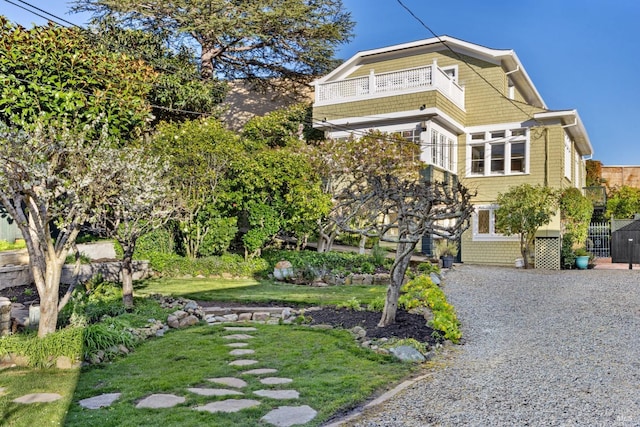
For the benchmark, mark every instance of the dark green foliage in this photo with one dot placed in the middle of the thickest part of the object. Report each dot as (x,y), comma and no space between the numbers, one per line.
(283,127)
(335,262)
(576,211)
(567,256)
(221,233)
(43,352)
(106,336)
(233,264)
(92,300)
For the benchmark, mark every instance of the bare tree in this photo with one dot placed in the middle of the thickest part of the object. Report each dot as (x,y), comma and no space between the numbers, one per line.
(384,181)
(138,202)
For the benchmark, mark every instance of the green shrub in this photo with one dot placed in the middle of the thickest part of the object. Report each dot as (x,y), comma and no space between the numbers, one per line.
(428,268)
(339,263)
(376,305)
(352,304)
(91,301)
(18,244)
(43,352)
(71,259)
(422,292)
(176,265)
(379,255)
(221,233)
(106,336)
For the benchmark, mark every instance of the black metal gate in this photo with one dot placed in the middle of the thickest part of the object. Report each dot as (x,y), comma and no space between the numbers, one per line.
(599,241)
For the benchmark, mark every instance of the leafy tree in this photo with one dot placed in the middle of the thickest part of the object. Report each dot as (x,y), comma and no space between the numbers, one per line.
(278,193)
(623,202)
(179,91)
(136,201)
(384,177)
(201,154)
(259,39)
(523,210)
(62,104)
(52,73)
(283,127)
(594,173)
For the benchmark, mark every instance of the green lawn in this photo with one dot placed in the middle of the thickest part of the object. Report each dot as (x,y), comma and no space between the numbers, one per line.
(328,368)
(249,290)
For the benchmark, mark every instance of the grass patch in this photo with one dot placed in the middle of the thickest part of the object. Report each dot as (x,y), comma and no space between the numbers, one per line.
(20,381)
(249,290)
(328,368)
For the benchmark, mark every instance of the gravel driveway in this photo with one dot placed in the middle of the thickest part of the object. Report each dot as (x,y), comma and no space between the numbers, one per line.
(541,348)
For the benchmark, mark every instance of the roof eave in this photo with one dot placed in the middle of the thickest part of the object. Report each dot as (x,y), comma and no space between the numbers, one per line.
(573,124)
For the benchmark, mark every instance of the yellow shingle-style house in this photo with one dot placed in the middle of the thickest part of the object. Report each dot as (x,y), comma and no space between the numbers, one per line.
(479,119)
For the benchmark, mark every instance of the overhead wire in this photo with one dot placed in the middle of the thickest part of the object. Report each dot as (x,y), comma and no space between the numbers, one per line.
(57,20)
(528,115)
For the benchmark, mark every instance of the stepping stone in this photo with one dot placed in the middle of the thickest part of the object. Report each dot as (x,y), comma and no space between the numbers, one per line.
(241,352)
(237,337)
(240,328)
(213,391)
(237,344)
(260,371)
(243,362)
(275,380)
(229,381)
(278,394)
(229,405)
(38,398)
(100,401)
(160,401)
(286,416)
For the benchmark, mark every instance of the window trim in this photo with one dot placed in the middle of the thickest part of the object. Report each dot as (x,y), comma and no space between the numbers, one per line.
(492,236)
(568,145)
(443,153)
(503,134)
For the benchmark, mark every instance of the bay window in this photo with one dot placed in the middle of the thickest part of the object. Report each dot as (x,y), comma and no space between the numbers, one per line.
(505,151)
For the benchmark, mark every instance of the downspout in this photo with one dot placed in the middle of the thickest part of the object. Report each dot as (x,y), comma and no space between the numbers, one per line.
(546,157)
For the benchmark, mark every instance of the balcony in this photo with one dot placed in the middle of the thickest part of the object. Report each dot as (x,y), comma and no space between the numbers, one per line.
(400,82)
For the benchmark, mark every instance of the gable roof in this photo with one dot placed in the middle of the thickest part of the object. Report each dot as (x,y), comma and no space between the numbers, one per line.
(506,58)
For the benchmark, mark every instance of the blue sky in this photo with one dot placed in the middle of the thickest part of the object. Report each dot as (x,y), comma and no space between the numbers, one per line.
(581,54)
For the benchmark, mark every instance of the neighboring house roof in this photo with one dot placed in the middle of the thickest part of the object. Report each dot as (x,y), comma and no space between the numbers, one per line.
(244,102)
(507,58)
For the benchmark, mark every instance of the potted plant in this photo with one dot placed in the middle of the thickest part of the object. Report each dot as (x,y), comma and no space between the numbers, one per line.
(447,250)
(582,258)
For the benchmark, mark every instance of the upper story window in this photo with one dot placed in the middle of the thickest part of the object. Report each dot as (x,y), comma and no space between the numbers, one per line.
(411,135)
(498,152)
(440,147)
(452,72)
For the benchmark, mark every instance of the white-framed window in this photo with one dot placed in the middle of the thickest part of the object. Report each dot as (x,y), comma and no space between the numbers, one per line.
(440,147)
(411,135)
(498,151)
(484,224)
(567,156)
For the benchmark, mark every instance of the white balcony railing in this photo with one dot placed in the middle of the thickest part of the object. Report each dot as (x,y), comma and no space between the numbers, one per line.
(411,80)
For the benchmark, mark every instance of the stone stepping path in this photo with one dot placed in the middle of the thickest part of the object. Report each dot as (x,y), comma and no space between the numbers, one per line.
(156,401)
(237,344)
(283,416)
(229,382)
(229,405)
(241,352)
(214,391)
(238,337)
(275,380)
(240,328)
(243,362)
(260,371)
(38,398)
(286,416)
(278,394)
(99,401)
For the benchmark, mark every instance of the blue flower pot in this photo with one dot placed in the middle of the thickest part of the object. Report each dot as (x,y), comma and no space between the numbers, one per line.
(582,262)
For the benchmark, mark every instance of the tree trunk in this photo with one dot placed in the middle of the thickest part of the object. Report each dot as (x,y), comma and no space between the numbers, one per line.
(361,247)
(206,63)
(48,292)
(127,276)
(398,271)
